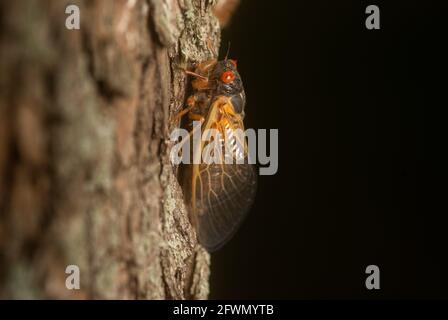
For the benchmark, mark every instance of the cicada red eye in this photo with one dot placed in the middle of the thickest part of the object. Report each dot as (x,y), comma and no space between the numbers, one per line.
(227,77)
(232,61)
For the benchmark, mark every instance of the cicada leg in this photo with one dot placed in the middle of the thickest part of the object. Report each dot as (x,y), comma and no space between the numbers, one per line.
(196,117)
(201,74)
(191,102)
(197,75)
(206,66)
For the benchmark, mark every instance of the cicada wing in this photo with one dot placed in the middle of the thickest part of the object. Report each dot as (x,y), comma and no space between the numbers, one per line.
(224,195)
(219,195)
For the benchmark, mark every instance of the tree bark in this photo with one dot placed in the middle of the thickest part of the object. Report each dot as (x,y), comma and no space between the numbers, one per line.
(85,177)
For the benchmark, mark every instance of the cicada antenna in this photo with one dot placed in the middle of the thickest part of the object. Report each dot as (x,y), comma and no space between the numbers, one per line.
(228,50)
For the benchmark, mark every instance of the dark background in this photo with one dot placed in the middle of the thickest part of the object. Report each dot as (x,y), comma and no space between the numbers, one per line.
(362,167)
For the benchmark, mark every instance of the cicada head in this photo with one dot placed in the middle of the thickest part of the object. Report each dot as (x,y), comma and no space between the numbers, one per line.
(229,83)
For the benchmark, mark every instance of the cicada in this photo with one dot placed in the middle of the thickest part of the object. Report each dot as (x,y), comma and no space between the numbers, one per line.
(218,195)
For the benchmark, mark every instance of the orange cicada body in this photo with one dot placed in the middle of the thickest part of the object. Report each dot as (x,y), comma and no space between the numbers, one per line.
(220,194)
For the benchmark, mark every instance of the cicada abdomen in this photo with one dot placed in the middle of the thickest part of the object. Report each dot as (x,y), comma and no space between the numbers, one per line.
(219,193)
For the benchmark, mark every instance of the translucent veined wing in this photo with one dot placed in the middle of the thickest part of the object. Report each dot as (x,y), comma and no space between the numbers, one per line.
(224,195)
(219,195)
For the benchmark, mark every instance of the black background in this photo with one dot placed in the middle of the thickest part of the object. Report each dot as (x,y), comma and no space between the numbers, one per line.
(362,166)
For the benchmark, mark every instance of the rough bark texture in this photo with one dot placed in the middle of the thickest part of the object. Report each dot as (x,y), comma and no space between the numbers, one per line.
(85,177)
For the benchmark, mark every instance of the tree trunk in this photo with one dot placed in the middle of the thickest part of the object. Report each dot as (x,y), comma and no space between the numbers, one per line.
(85,177)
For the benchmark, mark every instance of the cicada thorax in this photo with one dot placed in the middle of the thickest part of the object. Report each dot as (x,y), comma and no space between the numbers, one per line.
(218,193)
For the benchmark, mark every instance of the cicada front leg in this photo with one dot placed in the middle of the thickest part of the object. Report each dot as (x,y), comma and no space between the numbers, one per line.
(201,75)
(204,67)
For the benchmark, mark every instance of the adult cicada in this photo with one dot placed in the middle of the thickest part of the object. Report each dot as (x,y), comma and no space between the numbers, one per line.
(218,195)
